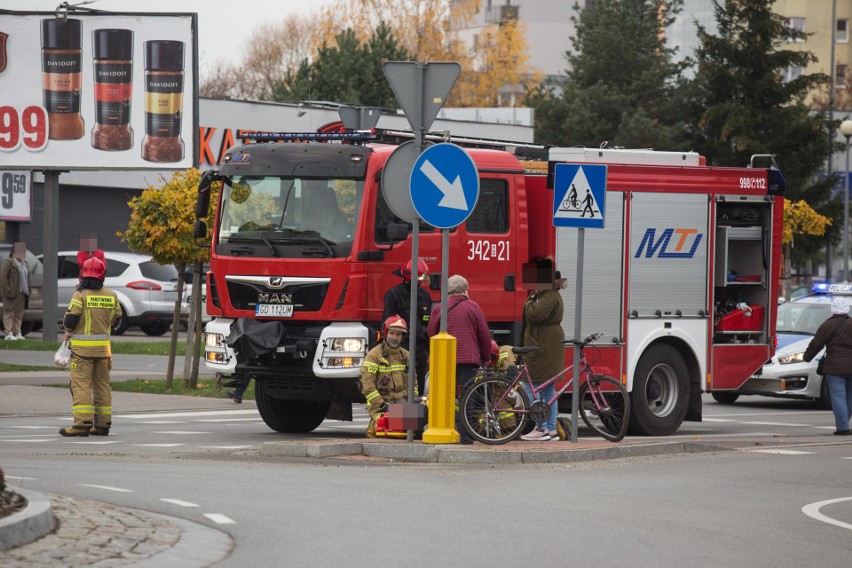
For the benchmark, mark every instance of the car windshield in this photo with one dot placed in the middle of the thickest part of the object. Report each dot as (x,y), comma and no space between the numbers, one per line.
(293,217)
(802,317)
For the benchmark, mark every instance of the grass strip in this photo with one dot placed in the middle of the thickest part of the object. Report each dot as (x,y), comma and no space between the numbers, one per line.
(7,368)
(118,347)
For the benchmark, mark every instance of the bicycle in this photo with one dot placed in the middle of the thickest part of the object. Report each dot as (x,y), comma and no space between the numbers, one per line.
(495,409)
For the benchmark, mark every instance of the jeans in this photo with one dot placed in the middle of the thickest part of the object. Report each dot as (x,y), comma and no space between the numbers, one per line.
(464,374)
(545,395)
(840,389)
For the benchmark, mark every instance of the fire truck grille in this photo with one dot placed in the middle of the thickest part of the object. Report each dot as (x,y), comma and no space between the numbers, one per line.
(304,297)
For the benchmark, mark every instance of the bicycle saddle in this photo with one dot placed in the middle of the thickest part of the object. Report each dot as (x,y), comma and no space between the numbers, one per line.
(523,350)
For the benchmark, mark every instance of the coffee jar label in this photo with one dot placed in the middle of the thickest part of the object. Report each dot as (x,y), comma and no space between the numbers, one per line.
(113,72)
(61,62)
(62,101)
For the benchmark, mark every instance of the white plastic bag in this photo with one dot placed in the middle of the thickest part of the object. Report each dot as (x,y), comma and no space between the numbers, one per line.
(62,355)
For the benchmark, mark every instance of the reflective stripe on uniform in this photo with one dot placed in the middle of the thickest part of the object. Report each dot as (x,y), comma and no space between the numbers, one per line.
(82,409)
(89,342)
(77,303)
(93,301)
(103,410)
(371,396)
(373,368)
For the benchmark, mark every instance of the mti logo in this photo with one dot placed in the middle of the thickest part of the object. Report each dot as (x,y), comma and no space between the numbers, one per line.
(661,247)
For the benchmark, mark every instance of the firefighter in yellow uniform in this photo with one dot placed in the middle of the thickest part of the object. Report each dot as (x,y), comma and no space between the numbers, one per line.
(88,323)
(384,374)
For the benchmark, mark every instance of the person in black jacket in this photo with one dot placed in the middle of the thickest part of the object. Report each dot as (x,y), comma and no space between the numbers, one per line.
(398,301)
(835,334)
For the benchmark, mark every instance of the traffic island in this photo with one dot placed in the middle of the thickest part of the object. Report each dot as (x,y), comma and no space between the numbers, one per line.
(29,524)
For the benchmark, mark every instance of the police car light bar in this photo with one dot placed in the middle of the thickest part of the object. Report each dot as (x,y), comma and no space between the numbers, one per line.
(826,288)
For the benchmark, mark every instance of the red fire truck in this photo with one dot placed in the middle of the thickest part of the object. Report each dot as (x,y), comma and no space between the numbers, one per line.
(682,280)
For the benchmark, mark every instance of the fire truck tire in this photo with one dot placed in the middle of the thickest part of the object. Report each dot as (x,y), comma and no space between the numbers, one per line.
(290,416)
(725,397)
(660,396)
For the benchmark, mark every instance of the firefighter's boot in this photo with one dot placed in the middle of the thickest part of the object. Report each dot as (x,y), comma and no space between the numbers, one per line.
(99,431)
(74,431)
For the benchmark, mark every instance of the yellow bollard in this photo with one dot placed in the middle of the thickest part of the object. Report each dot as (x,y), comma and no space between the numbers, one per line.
(442,391)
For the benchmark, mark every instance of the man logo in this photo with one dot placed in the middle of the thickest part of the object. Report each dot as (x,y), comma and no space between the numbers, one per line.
(275,282)
(3,59)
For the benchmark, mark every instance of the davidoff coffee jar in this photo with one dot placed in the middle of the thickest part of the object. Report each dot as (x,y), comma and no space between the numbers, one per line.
(163,101)
(113,61)
(61,65)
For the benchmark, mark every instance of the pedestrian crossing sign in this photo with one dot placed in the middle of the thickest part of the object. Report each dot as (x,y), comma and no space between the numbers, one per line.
(579,195)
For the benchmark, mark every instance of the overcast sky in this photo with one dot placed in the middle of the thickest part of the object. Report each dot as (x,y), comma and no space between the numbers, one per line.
(223,25)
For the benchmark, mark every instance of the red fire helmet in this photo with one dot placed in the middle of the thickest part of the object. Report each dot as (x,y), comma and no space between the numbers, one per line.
(93,268)
(422,271)
(394,322)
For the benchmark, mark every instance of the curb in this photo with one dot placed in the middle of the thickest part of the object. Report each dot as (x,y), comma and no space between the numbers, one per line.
(199,546)
(422,453)
(35,521)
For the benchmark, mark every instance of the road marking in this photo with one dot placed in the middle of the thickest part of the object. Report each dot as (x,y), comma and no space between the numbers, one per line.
(716,420)
(781,452)
(166,422)
(21,478)
(157,445)
(30,440)
(29,436)
(180,432)
(229,420)
(225,447)
(107,488)
(92,443)
(32,427)
(179,503)
(187,414)
(220,519)
(775,424)
(813,510)
(781,413)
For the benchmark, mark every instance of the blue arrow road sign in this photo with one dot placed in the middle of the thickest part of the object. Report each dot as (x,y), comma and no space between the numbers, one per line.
(444,185)
(579,195)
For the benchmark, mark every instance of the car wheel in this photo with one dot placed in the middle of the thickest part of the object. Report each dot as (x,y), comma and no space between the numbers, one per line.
(155,329)
(119,326)
(725,397)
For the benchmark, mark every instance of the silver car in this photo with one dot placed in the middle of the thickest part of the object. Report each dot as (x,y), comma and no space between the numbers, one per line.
(787,375)
(146,290)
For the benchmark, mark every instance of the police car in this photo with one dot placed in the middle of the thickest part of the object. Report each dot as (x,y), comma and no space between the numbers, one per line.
(787,375)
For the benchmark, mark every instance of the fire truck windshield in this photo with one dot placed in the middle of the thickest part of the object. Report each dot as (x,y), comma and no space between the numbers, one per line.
(288,217)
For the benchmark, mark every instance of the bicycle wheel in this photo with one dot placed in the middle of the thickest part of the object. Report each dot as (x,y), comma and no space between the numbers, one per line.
(489,419)
(605,407)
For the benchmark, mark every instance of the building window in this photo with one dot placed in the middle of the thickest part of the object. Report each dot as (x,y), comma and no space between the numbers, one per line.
(792,72)
(842,35)
(840,75)
(797,24)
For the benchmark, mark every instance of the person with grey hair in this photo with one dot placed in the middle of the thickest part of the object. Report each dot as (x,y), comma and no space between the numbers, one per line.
(835,334)
(15,290)
(466,322)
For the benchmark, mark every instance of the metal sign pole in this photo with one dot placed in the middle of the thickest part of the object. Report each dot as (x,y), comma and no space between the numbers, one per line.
(578,317)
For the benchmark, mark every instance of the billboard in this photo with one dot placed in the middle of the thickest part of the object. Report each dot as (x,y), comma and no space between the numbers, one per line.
(98,90)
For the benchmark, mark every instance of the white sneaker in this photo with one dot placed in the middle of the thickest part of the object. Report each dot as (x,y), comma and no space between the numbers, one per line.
(19,336)
(553,435)
(536,436)
(11,337)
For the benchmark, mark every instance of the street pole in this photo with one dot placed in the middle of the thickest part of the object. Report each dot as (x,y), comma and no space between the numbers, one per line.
(846,131)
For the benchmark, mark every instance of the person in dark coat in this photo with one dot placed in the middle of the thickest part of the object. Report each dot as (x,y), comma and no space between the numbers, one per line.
(398,301)
(835,334)
(542,327)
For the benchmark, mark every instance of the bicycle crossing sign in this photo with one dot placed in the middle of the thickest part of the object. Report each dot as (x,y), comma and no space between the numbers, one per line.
(579,195)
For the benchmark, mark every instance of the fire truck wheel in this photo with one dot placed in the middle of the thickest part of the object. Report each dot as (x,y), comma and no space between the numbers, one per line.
(660,394)
(290,416)
(725,397)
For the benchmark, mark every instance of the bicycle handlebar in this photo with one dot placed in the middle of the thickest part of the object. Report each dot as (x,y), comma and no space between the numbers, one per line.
(591,339)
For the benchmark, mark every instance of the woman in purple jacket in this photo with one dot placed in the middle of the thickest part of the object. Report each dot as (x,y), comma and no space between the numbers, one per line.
(466,322)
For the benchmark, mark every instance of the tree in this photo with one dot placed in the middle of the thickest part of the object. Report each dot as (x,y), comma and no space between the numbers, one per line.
(161,224)
(799,219)
(743,106)
(621,86)
(348,72)
(274,49)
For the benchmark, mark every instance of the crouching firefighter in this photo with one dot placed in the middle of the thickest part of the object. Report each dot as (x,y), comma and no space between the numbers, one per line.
(384,374)
(88,323)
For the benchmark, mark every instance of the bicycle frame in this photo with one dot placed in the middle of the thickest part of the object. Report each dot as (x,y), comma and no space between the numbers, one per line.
(534,390)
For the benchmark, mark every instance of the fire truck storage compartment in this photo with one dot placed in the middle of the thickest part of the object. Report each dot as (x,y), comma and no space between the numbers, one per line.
(742,270)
